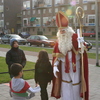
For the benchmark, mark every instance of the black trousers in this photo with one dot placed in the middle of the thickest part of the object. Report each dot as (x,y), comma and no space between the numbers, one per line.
(44,94)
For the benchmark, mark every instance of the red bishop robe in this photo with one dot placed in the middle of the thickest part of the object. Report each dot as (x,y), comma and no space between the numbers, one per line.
(56,89)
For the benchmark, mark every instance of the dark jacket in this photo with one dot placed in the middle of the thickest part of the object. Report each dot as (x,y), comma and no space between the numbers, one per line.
(15,56)
(43,72)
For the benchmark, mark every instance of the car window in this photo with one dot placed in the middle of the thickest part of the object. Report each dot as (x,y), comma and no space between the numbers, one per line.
(43,38)
(24,33)
(37,38)
(15,36)
(6,36)
(32,37)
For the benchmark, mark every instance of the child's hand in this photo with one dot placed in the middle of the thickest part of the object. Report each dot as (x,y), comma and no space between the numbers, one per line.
(36,85)
(49,83)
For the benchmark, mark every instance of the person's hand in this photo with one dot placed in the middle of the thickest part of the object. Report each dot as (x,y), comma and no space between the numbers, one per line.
(36,85)
(49,83)
(80,39)
(55,69)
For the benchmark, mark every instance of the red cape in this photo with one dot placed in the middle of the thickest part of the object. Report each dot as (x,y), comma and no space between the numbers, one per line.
(57,81)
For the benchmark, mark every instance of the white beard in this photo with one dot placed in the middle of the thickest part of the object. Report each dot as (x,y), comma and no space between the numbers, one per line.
(65,40)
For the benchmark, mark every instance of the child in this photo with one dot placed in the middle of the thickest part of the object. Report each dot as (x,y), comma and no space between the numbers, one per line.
(18,86)
(15,55)
(43,73)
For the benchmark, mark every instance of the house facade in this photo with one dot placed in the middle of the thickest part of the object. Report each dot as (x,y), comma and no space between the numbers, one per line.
(9,10)
(38,16)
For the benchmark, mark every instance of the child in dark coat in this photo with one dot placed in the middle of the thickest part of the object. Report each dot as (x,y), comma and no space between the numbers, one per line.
(43,73)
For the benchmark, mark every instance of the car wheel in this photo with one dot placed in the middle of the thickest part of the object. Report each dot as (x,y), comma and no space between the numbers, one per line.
(43,45)
(91,35)
(37,45)
(24,43)
(29,44)
(3,42)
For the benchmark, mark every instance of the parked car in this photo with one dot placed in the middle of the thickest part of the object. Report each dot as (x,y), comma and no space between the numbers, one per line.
(89,33)
(6,38)
(2,34)
(24,34)
(40,40)
(0,40)
(89,45)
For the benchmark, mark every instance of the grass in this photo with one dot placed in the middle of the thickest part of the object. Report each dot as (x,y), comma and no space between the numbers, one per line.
(37,49)
(29,65)
(93,55)
(91,38)
(28,48)
(4,68)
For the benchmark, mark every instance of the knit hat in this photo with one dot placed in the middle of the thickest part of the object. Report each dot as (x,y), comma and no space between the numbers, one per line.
(12,41)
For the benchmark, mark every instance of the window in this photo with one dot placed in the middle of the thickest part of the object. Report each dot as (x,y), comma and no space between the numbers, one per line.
(28,29)
(77,1)
(58,2)
(85,20)
(38,22)
(33,29)
(44,11)
(49,29)
(93,7)
(38,11)
(28,12)
(33,11)
(2,1)
(25,21)
(56,9)
(48,3)
(63,9)
(50,10)
(34,3)
(44,29)
(2,15)
(85,7)
(85,1)
(91,18)
(23,12)
(1,8)
(45,19)
(38,29)
(1,23)
(26,4)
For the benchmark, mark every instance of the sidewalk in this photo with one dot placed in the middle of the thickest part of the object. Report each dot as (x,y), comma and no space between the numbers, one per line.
(94,79)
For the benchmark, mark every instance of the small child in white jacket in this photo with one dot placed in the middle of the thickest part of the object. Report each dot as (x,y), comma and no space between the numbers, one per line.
(19,88)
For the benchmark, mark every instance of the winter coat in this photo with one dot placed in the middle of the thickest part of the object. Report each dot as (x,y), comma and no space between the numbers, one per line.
(15,56)
(43,72)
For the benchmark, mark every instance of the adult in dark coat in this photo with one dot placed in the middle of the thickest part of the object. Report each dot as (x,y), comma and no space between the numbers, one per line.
(15,55)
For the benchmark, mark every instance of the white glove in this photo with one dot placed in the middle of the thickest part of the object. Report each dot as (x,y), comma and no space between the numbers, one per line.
(55,69)
(80,39)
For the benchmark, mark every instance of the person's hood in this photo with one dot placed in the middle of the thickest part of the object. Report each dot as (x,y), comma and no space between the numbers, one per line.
(17,84)
(12,42)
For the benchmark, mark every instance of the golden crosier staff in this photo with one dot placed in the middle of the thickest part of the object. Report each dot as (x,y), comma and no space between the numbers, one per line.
(80,15)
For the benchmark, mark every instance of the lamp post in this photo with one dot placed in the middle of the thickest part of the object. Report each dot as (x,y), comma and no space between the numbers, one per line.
(96,27)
